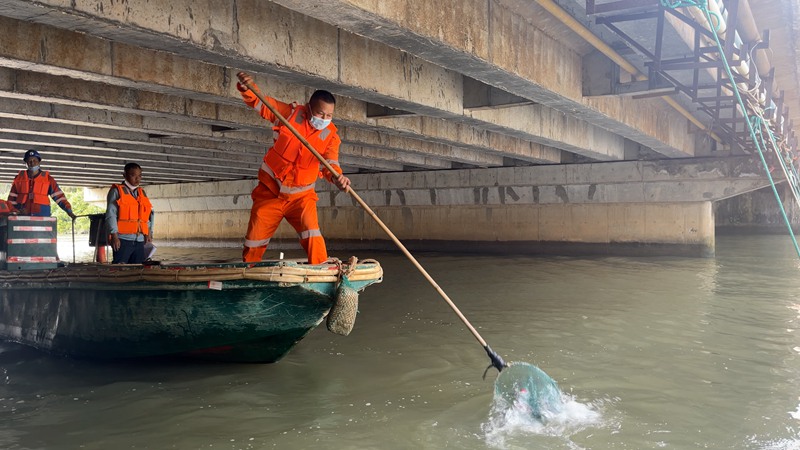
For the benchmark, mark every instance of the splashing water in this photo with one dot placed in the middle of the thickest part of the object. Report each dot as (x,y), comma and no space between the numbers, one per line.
(527,401)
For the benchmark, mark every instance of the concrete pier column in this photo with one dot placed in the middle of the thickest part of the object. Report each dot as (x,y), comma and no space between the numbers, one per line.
(624,229)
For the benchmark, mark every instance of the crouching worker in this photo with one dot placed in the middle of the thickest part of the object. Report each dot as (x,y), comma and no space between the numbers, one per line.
(289,170)
(129,218)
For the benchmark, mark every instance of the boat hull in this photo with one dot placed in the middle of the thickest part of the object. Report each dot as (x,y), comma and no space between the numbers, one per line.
(242,320)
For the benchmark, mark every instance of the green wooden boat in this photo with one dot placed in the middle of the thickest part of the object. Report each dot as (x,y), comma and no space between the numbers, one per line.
(235,312)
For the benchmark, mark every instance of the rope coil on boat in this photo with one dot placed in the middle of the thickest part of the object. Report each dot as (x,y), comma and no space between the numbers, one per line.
(342,316)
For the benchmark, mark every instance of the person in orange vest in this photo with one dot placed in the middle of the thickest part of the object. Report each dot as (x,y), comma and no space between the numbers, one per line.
(289,171)
(32,189)
(129,217)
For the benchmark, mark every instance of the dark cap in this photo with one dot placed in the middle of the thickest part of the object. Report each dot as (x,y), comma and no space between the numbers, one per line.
(30,154)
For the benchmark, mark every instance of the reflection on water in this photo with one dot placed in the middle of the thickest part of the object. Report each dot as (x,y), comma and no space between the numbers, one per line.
(649,352)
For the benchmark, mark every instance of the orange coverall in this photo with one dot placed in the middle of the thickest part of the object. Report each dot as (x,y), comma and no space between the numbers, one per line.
(286,180)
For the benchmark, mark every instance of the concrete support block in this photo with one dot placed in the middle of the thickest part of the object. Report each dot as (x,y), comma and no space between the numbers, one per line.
(551,223)
(626,223)
(588,223)
(603,209)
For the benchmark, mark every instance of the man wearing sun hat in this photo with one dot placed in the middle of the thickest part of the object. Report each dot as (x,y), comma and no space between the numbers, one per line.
(32,189)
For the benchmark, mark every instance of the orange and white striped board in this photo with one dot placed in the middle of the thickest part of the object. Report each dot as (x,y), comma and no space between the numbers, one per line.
(32,241)
(31,219)
(32,259)
(31,228)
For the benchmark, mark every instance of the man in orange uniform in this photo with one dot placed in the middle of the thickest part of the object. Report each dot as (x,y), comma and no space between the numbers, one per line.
(32,189)
(129,217)
(289,170)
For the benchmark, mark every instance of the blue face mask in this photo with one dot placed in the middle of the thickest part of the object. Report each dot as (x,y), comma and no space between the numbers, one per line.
(319,124)
(33,170)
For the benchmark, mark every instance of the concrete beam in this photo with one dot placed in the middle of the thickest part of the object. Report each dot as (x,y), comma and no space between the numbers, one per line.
(393,158)
(370,138)
(179,168)
(556,129)
(74,172)
(448,132)
(55,134)
(34,110)
(403,82)
(504,50)
(370,163)
(30,86)
(39,87)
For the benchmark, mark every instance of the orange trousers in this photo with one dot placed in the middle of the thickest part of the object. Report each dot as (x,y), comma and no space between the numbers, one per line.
(300,210)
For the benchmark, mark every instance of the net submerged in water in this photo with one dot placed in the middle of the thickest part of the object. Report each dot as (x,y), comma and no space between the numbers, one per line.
(523,385)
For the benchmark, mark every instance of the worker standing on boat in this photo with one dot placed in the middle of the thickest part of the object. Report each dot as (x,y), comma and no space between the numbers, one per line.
(33,188)
(289,171)
(129,217)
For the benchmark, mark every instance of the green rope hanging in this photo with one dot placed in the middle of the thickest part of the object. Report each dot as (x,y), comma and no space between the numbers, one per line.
(674,4)
(752,120)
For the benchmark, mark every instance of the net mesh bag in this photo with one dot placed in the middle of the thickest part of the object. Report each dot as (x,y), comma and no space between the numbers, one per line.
(342,316)
(523,385)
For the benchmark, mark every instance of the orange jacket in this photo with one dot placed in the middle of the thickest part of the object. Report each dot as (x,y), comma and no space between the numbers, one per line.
(134,212)
(288,167)
(41,185)
(31,193)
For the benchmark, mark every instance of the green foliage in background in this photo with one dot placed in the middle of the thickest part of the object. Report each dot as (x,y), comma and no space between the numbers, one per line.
(79,207)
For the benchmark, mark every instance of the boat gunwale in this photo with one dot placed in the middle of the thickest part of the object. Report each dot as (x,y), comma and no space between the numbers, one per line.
(287,272)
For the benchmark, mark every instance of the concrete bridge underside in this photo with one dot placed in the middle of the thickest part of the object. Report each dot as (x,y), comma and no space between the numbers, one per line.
(633,208)
(473,130)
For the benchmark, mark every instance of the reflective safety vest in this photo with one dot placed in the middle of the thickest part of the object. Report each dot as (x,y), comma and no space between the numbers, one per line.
(41,184)
(133,212)
(292,166)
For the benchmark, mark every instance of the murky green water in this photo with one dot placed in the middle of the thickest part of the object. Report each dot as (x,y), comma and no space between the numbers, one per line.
(650,353)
